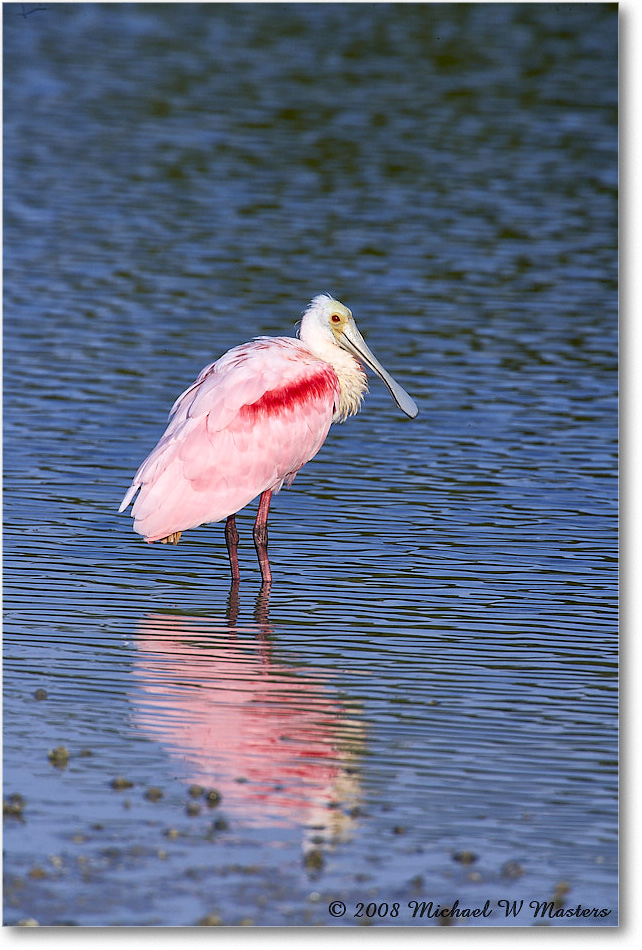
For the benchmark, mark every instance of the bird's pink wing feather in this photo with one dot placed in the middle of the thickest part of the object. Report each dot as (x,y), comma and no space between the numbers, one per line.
(249,422)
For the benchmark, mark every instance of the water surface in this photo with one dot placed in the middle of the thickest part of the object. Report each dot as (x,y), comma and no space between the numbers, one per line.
(423,707)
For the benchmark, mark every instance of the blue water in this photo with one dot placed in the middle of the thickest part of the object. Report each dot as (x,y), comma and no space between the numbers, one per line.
(423,706)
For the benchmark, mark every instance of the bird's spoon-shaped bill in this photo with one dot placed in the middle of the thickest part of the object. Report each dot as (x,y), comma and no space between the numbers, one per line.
(352,341)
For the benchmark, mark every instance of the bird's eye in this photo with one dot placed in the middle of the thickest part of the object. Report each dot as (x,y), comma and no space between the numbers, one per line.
(335,318)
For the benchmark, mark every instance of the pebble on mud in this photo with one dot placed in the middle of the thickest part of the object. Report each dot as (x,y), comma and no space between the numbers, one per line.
(212,798)
(14,805)
(40,694)
(512,870)
(120,782)
(465,857)
(193,809)
(153,794)
(212,920)
(196,791)
(314,860)
(561,890)
(59,756)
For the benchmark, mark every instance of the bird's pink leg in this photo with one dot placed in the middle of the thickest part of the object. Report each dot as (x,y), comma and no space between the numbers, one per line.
(261,536)
(232,541)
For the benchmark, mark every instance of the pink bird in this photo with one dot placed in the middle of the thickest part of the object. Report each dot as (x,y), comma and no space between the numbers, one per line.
(247,425)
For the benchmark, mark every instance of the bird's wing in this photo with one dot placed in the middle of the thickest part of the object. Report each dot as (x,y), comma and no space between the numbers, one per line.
(248,423)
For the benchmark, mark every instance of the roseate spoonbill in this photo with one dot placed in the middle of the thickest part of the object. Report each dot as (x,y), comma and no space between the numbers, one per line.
(247,425)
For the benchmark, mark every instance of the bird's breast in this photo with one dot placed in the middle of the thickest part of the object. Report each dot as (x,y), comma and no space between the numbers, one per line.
(315,388)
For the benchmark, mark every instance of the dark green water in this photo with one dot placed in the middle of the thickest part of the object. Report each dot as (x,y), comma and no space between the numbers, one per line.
(433,676)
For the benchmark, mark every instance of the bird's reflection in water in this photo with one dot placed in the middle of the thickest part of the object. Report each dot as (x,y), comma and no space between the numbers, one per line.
(273,738)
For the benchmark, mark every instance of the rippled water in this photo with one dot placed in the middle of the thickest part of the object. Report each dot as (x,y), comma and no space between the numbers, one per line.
(423,707)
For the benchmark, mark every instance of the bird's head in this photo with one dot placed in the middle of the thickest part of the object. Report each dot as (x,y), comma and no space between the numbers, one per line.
(326,316)
(329,320)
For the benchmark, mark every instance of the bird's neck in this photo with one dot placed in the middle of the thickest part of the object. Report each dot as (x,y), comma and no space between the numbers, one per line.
(353,383)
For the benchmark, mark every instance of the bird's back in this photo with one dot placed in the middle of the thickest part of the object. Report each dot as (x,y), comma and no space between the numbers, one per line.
(247,424)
